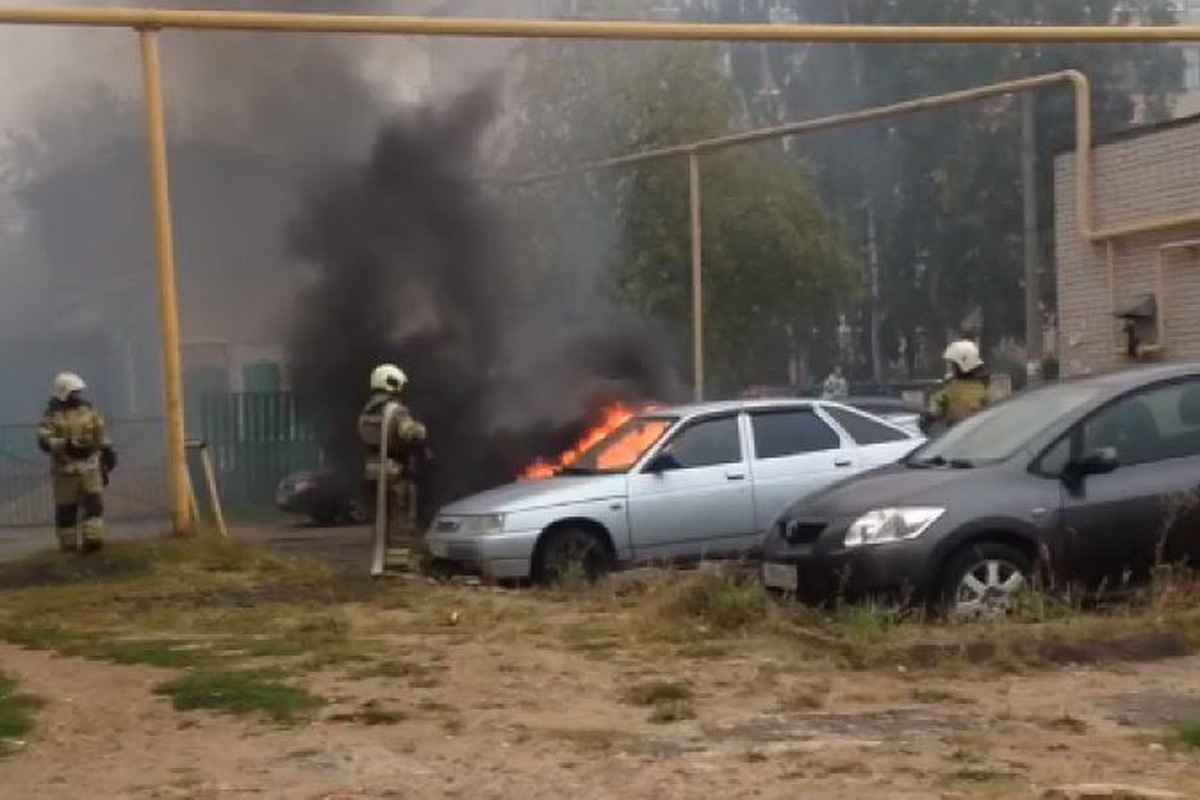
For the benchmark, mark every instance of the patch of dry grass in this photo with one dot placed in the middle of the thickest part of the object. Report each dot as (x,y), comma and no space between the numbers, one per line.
(220,606)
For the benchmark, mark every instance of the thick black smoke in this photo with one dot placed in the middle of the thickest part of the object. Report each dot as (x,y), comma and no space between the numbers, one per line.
(411,269)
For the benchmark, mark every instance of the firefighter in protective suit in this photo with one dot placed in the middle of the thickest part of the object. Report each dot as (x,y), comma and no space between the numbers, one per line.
(391,436)
(72,432)
(965,390)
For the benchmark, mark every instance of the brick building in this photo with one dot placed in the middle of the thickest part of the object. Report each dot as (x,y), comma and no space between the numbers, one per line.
(1139,175)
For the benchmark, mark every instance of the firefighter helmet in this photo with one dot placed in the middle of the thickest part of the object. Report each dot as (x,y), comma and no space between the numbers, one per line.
(66,384)
(388,378)
(963,354)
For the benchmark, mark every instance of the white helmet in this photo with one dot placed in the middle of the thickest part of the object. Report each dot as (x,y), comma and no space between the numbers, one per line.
(388,378)
(65,383)
(963,354)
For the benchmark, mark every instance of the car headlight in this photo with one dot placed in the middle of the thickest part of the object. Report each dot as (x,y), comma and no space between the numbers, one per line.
(482,524)
(891,525)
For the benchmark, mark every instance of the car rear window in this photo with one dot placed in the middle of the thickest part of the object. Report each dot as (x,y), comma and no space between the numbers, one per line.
(863,429)
(778,434)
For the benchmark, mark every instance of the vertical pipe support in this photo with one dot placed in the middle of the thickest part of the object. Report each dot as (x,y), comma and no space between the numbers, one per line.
(1160,300)
(182,520)
(697,277)
(1033,305)
(1111,262)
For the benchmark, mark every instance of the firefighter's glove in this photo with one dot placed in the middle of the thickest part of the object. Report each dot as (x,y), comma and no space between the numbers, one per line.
(76,450)
(108,459)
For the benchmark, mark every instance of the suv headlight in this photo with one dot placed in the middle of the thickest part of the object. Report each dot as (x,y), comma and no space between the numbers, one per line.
(482,524)
(891,525)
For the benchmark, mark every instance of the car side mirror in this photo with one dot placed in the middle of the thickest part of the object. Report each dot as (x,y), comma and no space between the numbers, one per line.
(663,462)
(1100,461)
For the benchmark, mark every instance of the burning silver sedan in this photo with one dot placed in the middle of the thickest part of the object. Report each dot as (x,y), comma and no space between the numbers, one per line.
(662,485)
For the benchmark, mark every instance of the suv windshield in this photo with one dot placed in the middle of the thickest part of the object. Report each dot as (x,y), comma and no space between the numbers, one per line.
(998,432)
(620,449)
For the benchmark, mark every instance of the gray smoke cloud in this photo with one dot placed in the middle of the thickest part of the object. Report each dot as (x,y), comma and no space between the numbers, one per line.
(323,201)
(413,269)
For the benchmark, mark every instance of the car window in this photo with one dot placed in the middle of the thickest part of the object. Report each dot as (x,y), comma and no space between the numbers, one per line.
(1054,461)
(1002,430)
(1151,425)
(862,429)
(788,433)
(620,449)
(705,444)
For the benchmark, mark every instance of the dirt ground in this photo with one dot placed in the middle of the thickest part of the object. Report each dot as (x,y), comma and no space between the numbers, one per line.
(479,715)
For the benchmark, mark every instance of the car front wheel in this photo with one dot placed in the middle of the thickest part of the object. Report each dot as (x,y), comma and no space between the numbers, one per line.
(569,552)
(984,580)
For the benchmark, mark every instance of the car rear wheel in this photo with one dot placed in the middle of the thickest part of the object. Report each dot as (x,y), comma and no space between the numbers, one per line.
(569,553)
(356,512)
(984,580)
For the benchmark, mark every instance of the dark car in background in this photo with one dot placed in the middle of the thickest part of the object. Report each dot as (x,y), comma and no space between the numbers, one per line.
(1093,481)
(325,495)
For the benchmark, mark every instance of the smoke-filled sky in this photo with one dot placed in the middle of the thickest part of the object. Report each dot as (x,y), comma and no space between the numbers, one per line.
(324,202)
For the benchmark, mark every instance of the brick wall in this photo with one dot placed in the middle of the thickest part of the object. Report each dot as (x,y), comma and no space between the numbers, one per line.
(1153,174)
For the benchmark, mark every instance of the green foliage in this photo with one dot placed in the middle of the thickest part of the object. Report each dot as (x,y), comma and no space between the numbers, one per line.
(773,256)
(721,602)
(944,185)
(242,692)
(16,719)
(1187,734)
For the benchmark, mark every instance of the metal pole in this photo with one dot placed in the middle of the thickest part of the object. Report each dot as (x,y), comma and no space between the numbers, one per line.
(1033,304)
(877,375)
(214,497)
(1076,79)
(156,140)
(511,28)
(697,277)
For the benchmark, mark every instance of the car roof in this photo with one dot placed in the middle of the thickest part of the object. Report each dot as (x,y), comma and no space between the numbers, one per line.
(742,404)
(1132,376)
(1122,379)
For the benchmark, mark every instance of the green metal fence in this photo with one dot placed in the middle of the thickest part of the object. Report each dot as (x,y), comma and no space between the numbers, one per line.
(256,438)
(138,486)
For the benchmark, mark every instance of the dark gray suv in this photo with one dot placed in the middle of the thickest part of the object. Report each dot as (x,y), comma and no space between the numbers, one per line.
(1094,480)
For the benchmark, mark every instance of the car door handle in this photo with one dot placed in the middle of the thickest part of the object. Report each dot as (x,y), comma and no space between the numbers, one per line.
(735,476)
(842,462)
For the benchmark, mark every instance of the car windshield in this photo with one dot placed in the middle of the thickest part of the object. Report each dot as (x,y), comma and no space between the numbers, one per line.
(997,433)
(620,449)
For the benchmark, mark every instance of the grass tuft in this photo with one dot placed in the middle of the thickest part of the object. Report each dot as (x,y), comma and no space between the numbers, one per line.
(16,721)
(666,711)
(241,692)
(371,713)
(721,602)
(1187,734)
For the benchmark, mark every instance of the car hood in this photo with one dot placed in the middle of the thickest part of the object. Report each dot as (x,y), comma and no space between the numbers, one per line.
(526,495)
(892,485)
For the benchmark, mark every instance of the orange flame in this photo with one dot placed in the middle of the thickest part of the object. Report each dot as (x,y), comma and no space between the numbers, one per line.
(611,417)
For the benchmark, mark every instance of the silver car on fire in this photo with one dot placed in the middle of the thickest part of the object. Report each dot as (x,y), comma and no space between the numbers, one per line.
(668,485)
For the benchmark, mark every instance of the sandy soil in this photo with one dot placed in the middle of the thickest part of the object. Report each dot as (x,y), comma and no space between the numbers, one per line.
(469,717)
(516,721)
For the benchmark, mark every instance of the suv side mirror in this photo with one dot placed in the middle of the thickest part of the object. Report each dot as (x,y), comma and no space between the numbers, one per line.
(1100,461)
(663,462)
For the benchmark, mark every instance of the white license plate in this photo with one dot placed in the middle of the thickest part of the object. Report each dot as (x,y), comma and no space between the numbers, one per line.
(438,549)
(780,576)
